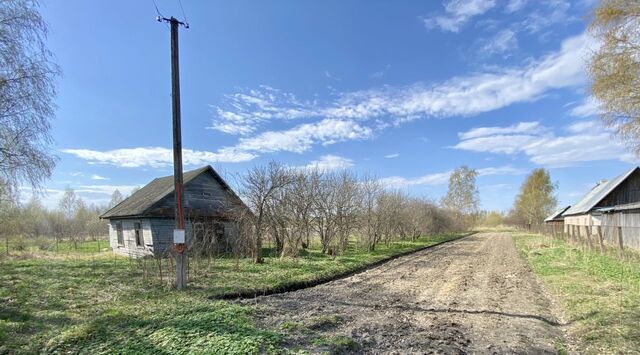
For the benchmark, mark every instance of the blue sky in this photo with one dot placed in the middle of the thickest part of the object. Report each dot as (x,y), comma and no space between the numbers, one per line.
(406,91)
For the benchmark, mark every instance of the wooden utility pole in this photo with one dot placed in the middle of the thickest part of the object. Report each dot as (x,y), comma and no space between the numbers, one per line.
(179,241)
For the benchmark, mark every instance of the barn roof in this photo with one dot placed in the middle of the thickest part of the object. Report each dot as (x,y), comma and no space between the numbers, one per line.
(557,215)
(156,190)
(597,194)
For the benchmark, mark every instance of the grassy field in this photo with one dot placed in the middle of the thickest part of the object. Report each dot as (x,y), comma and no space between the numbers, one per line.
(600,294)
(99,303)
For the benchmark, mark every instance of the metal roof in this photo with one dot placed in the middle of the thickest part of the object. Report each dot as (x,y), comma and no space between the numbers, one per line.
(557,215)
(599,192)
(146,197)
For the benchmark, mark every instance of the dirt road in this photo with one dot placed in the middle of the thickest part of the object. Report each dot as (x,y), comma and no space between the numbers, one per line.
(473,295)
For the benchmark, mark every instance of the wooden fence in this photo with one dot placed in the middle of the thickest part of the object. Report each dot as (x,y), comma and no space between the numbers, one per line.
(620,241)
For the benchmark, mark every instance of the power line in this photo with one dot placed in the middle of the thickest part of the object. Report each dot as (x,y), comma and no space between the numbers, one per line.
(156,6)
(160,15)
(183,14)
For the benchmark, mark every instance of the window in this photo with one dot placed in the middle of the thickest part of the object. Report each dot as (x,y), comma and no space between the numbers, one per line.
(119,233)
(138,232)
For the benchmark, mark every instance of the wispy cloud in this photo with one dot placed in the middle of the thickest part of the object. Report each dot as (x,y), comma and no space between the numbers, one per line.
(391,156)
(359,115)
(502,42)
(98,177)
(329,162)
(302,137)
(548,13)
(156,157)
(521,127)
(459,96)
(585,141)
(443,178)
(587,108)
(458,13)
(515,5)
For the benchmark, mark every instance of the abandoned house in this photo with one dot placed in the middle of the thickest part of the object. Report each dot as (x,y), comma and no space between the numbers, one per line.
(143,223)
(611,208)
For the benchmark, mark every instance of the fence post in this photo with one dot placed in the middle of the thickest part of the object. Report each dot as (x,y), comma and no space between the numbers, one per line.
(579,237)
(620,244)
(600,239)
(589,230)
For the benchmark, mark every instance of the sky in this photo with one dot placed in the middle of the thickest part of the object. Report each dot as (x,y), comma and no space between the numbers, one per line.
(404,91)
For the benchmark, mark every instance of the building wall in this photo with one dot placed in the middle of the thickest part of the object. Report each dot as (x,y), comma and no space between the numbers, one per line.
(129,247)
(162,230)
(628,221)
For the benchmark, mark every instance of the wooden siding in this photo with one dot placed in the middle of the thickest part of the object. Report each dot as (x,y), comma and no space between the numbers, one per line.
(129,248)
(627,192)
(203,196)
(162,229)
(630,227)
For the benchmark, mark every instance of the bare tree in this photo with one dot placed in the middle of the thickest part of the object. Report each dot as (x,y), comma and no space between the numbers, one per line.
(27,90)
(370,223)
(116,198)
(260,186)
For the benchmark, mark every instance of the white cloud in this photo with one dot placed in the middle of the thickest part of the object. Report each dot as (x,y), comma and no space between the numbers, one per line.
(459,96)
(391,156)
(586,141)
(302,137)
(587,108)
(504,41)
(357,115)
(521,127)
(298,139)
(502,170)
(515,5)
(329,163)
(430,179)
(156,157)
(458,13)
(549,12)
(443,178)
(241,113)
(98,177)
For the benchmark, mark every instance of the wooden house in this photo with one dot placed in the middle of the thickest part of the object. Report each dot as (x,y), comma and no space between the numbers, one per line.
(612,207)
(143,223)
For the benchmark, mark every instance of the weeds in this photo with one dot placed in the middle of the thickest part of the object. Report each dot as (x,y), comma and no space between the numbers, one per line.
(600,294)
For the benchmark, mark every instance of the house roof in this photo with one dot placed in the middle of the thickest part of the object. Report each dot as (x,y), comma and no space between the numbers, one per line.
(597,194)
(146,197)
(557,215)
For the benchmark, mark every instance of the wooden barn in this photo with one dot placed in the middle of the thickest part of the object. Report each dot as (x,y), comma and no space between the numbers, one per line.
(556,218)
(143,223)
(611,208)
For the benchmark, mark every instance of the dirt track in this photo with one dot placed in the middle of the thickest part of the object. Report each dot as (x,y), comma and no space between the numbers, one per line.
(473,295)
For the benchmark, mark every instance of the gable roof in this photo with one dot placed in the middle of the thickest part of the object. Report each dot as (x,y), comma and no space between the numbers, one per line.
(158,189)
(557,215)
(597,194)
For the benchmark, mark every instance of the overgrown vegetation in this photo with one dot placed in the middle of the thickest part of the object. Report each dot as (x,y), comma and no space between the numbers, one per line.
(600,294)
(98,302)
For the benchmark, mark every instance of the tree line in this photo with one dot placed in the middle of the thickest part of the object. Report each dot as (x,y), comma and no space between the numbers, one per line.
(291,207)
(72,220)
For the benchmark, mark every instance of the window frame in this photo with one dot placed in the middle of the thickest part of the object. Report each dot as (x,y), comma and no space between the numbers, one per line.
(119,233)
(138,234)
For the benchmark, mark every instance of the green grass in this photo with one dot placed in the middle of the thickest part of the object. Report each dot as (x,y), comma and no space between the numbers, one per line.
(80,302)
(600,294)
